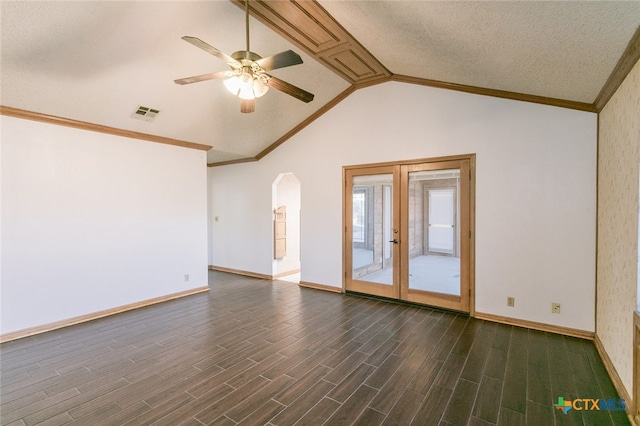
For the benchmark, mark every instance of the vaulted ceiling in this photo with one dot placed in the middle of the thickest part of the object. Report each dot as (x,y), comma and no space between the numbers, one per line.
(92,64)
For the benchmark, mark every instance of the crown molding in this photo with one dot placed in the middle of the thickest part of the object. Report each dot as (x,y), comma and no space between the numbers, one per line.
(562,103)
(82,125)
(229,162)
(313,117)
(624,66)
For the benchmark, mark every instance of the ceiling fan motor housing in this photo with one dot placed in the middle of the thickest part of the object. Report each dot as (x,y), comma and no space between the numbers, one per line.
(241,55)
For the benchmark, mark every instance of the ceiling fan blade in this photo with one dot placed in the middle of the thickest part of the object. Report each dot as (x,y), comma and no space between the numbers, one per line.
(247,105)
(203,77)
(279,60)
(290,89)
(210,49)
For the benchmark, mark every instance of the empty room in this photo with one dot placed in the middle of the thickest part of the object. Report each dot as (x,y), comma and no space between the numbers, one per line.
(319,212)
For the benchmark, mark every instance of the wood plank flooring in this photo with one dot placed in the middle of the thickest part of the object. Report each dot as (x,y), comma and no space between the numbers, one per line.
(253,352)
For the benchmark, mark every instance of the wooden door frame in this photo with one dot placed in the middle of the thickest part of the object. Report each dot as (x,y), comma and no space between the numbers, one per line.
(472,213)
(382,290)
(463,301)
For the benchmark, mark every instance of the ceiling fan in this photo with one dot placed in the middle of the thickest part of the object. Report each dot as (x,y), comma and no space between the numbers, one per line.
(248,78)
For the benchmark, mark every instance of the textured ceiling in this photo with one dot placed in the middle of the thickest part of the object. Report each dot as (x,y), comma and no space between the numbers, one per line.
(557,49)
(96,61)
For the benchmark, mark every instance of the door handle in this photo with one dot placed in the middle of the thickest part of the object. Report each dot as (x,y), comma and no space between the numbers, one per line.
(394,241)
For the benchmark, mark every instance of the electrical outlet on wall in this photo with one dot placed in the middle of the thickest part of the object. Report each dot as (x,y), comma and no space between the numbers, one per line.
(511,301)
(555,308)
(186,277)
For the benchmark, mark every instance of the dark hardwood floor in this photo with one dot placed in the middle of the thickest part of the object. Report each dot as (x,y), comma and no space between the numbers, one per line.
(253,352)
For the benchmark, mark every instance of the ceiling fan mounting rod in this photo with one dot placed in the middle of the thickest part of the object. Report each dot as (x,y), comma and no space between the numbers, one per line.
(246,17)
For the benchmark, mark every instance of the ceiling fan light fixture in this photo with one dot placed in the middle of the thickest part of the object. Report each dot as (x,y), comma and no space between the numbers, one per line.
(246,92)
(233,84)
(260,87)
(246,86)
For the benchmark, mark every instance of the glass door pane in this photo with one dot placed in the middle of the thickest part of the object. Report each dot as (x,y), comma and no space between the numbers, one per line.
(372,215)
(433,263)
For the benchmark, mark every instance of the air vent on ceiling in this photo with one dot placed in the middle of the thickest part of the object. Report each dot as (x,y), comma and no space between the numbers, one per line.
(145,113)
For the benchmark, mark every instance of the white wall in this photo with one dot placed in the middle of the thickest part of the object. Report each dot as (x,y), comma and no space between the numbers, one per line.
(241,237)
(92,221)
(535,192)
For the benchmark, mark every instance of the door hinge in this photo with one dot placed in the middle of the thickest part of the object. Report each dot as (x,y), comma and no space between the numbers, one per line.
(469,174)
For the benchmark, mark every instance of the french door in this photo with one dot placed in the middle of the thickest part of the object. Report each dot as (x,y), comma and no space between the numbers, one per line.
(408,231)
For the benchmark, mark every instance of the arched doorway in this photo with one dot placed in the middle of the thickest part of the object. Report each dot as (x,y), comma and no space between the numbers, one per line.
(286,192)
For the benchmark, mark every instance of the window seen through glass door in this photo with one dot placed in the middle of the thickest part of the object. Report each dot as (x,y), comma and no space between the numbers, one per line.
(372,222)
